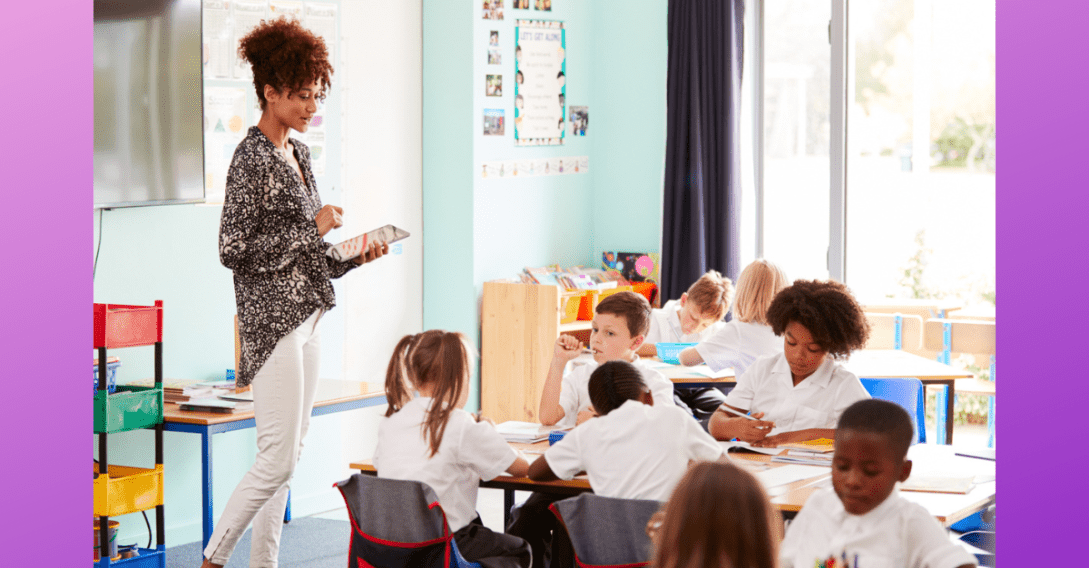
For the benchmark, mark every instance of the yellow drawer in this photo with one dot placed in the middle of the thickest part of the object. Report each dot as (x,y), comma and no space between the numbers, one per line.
(128,490)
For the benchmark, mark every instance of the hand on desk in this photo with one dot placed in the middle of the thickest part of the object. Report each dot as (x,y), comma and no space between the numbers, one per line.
(586,415)
(725,426)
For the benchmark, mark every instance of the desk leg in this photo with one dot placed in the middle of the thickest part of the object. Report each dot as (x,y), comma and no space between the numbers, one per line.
(944,411)
(206,483)
(508,504)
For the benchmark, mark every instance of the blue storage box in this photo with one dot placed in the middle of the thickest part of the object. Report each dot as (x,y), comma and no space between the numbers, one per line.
(669,352)
(111,374)
(555,436)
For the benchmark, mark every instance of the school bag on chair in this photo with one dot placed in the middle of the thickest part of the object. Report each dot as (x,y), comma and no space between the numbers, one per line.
(605,531)
(398,524)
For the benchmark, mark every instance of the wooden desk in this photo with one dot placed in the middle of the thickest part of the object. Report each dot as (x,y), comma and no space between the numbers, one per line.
(331,396)
(929,459)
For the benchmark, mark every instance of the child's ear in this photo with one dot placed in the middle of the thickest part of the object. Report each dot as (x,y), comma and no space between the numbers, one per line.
(684,299)
(905,471)
(637,342)
(647,398)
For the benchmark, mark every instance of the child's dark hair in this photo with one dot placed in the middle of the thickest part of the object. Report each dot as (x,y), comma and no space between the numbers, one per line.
(433,357)
(614,383)
(881,417)
(634,308)
(285,55)
(827,309)
(718,516)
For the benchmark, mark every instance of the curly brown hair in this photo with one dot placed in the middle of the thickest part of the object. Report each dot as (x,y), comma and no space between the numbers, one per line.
(285,55)
(827,309)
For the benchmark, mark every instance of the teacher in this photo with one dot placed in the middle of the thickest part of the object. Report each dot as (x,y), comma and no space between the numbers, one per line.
(270,236)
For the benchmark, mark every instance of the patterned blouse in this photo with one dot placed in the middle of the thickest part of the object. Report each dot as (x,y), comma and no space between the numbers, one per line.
(269,238)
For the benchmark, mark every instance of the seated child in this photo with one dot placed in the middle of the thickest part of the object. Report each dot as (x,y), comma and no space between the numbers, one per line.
(434,440)
(747,336)
(620,323)
(863,520)
(799,394)
(717,516)
(693,318)
(633,449)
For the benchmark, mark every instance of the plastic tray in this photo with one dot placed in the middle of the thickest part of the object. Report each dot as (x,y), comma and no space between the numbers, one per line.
(111,374)
(127,490)
(130,408)
(149,558)
(119,325)
(668,352)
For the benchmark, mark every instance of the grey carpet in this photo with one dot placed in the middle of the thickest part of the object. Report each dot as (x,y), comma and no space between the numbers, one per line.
(306,542)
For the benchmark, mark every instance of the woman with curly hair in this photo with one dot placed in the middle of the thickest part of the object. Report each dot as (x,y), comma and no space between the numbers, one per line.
(798,394)
(271,236)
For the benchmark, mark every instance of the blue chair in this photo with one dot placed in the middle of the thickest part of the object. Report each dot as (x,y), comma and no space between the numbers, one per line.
(908,393)
(398,524)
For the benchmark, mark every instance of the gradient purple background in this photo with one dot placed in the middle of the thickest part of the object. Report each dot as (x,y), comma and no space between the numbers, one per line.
(1042,227)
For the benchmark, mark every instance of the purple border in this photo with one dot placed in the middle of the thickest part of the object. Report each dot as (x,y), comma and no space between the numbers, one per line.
(1041,220)
(47,238)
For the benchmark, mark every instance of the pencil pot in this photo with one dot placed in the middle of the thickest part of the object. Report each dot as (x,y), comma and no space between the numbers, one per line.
(669,352)
(112,540)
(555,436)
(111,374)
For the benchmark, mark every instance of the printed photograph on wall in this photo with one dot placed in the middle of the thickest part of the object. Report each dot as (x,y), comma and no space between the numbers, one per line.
(493,86)
(521,4)
(579,119)
(493,56)
(493,37)
(493,122)
(493,9)
(540,83)
(543,5)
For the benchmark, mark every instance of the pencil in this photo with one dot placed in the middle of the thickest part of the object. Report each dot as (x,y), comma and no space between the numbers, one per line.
(732,411)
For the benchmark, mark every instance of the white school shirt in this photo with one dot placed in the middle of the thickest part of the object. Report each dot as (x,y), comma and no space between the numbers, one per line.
(895,534)
(816,402)
(470,451)
(636,451)
(665,326)
(575,390)
(739,344)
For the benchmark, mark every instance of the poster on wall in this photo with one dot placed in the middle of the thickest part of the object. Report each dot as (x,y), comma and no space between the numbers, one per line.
(216,54)
(322,20)
(540,83)
(493,122)
(225,126)
(245,16)
(579,119)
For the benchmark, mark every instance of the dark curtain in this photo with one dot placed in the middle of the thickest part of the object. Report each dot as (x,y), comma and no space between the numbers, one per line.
(701,217)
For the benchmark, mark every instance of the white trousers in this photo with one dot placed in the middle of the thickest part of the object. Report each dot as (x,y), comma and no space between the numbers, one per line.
(283,397)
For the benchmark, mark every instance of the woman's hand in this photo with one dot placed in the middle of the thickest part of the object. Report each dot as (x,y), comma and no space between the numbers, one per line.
(329,218)
(373,252)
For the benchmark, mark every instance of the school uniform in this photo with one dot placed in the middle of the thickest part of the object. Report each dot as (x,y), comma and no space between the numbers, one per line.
(575,390)
(739,344)
(895,534)
(665,326)
(470,451)
(817,402)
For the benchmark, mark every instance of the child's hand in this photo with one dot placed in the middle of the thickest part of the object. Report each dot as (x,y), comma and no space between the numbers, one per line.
(567,347)
(752,431)
(654,524)
(586,415)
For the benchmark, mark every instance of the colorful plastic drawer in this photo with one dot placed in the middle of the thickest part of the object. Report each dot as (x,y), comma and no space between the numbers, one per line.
(130,408)
(148,558)
(111,374)
(128,326)
(127,490)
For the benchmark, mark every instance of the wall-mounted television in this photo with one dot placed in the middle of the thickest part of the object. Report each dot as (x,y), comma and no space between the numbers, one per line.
(149,136)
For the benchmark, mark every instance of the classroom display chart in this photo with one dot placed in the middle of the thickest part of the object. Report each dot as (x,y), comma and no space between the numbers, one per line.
(540,86)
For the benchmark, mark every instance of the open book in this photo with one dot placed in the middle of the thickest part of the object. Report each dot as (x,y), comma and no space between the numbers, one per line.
(356,246)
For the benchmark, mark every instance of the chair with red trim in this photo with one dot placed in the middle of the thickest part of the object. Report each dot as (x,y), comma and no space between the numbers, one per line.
(398,524)
(605,531)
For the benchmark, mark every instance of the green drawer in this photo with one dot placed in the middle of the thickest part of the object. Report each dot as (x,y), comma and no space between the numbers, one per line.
(130,408)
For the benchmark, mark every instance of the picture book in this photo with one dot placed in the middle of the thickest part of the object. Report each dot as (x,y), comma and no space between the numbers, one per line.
(633,266)
(356,246)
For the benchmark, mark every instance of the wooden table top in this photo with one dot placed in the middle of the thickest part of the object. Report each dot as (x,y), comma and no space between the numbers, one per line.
(329,391)
(928,460)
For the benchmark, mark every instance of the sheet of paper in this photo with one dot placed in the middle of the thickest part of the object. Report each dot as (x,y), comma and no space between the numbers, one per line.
(727,446)
(246,16)
(789,474)
(217,56)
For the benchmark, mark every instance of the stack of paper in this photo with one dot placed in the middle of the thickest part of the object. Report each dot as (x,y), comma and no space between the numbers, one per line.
(523,432)
(217,405)
(805,457)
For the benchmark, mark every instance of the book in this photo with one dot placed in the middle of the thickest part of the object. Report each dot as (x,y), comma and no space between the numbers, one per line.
(955,485)
(356,246)
(216,405)
(238,396)
(524,432)
(822,445)
(747,447)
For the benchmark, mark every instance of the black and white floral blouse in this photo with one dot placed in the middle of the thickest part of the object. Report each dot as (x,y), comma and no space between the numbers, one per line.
(269,238)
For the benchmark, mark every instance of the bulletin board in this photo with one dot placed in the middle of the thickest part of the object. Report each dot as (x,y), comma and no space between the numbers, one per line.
(540,86)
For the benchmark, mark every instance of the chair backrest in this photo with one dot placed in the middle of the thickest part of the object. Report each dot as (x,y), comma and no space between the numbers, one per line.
(883,331)
(908,393)
(606,531)
(967,336)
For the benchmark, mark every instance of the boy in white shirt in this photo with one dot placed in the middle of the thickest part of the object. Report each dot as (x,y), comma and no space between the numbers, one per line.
(619,326)
(863,521)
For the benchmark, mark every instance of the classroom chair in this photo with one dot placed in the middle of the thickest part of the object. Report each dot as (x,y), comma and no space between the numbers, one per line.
(398,524)
(895,331)
(605,531)
(909,394)
(977,337)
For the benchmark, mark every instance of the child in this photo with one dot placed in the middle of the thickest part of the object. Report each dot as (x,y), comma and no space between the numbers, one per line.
(747,336)
(693,318)
(620,323)
(800,393)
(634,449)
(433,440)
(863,521)
(717,516)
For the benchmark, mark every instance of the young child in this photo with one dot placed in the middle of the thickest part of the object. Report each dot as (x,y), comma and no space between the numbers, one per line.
(633,449)
(620,323)
(693,318)
(748,335)
(717,516)
(433,440)
(799,394)
(863,520)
